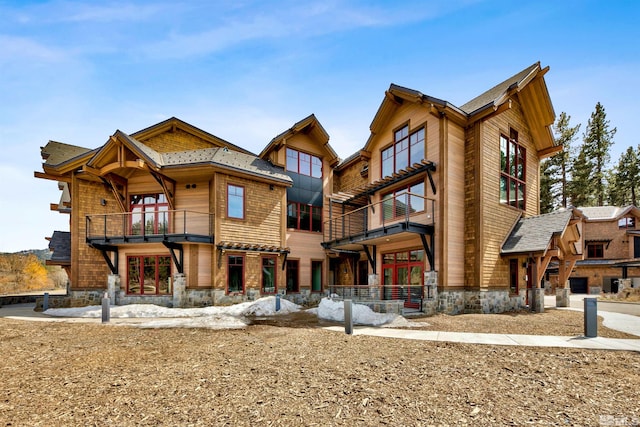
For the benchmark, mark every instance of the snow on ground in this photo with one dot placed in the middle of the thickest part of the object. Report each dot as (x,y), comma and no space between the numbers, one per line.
(228,317)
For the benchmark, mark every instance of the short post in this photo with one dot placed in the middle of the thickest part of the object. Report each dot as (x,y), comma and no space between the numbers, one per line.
(277,302)
(590,317)
(106,315)
(45,302)
(348,317)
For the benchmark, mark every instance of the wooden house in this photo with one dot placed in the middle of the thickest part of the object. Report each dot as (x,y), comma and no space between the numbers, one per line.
(437,212)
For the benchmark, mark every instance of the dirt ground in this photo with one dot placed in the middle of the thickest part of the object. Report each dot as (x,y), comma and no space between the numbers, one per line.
(92,374)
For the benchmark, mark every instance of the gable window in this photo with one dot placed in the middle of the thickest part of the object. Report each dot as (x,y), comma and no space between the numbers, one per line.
(304,217)
(235,276)
(269,275)
(303,163)
(149,214)
(148,275)
(293,284)
(512,171)
(235,201)
(629,222)
(595,250)
(403,202)
(406,150)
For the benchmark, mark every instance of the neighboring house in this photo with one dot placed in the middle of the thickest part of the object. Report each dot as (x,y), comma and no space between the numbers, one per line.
(611,249)
(437,212)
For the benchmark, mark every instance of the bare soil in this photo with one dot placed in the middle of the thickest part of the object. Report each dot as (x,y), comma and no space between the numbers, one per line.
(91,374)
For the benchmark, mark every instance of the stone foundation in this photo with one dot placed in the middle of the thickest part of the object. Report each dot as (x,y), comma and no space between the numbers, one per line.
(536,300)
(562,297)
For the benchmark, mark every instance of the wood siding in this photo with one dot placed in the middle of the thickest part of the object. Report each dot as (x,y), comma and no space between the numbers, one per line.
(177,140)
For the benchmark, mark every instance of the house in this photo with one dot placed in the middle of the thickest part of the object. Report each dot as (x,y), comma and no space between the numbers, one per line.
(438,212)
(611,248)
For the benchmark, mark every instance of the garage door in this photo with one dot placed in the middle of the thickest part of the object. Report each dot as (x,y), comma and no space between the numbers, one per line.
(578,285)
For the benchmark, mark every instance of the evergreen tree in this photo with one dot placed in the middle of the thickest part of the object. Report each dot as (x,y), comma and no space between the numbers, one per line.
(580,188)
(624,181)
(560,164)
(546,190)
(598,139)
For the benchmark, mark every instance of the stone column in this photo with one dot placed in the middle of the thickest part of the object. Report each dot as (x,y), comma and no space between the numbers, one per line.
(562,296)
(374,287)
(113,287)
(537,300)
(179,290)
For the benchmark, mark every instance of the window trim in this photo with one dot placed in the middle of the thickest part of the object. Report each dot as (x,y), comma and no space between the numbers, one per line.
(312,209)
(229,265)
(155,210)
(393,147)
(244,200)
(312,157)
(157,275)
(627,223)
(275,274)
(394,197)
(598,249)
(520,157)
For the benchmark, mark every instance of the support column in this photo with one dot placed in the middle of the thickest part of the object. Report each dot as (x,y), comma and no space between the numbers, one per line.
(562,297)
(113,286)
(179,290)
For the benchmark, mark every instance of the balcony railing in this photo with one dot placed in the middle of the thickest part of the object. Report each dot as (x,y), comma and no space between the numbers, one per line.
(150,226)
(411,295)
(368,221)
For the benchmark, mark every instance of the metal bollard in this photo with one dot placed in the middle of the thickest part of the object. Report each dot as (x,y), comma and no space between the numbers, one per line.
(45,302)
(277,302)
(106,315)
(590,317)
(348,317)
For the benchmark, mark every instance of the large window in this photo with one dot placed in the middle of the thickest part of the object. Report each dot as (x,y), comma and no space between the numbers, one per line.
(235,201)
(293,277)
(403,202)
(303,163)
(149,214)
(406,150)
(269,275)
(512,171)
(595,250)
(304,217)
(148,275)
(235,275)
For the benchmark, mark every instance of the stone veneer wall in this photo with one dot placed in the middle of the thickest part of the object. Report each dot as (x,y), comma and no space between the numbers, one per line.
(485,302)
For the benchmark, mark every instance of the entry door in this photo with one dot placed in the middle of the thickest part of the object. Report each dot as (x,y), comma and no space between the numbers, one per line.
(636,246)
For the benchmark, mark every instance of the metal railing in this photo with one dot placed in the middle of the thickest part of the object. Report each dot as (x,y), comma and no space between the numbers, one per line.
(412,295)
(149,223)
(405,207)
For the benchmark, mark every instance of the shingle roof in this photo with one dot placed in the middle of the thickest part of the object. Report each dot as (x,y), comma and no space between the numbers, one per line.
(56,153)
(60,244)
(604,212)
(533,234)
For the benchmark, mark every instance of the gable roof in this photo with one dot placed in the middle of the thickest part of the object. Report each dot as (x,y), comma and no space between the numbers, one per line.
(310,125)
(534,234)
(608,213)
(60,244)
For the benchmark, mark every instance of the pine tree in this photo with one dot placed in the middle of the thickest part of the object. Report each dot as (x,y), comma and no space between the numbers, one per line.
(598,139)
(560,164)
(624,181)
(580,188)
(546,188)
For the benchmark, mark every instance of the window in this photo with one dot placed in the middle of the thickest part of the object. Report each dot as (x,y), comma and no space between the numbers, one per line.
(363,273)
(316,276)
(235,201)
(404,201)
(149,214)
(303,163)
(629,222)
(149,275)
(304,217)
(293,284)
(595,250)
(406,150)
(269,275)
(512,171)
(513,276)
(235,275)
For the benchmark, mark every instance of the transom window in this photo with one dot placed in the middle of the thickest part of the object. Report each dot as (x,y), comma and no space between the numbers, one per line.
(406,150)
(512,171)
(149,214)
(403,202)
(303,163)
(148,275)
(235,201)
(304,217)
(629,222)
(595,250)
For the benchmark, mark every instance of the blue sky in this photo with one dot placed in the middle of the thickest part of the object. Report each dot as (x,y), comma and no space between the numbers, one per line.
(75,71)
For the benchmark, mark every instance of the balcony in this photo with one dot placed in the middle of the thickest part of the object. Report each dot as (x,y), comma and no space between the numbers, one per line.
(162,226)
(385,221)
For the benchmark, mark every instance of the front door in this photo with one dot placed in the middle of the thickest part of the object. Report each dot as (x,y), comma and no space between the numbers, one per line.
(403,278)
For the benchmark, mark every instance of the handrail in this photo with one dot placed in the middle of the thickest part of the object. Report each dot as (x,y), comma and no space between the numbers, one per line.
(149,223)
(392,210)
